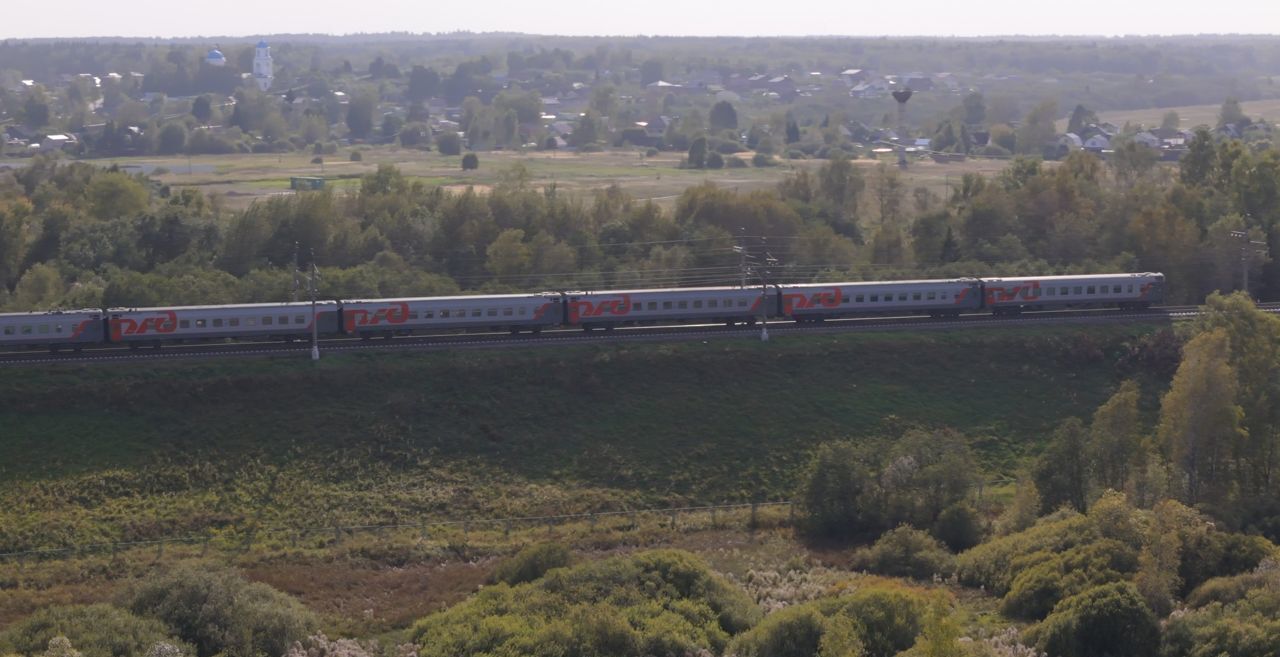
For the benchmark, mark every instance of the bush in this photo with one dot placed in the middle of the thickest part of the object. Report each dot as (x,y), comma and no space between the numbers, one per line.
(795,154)
(959,527)
(906,552)
(651,152)
(994,150)
(833,493)
(95,630)
(317,160)
(531,563)
(218,611)
(715,160)
(735,163)
(470,162)
(792,632)
(763,160)
(449,143)
(357,156)
(661,602)
(1106,621)
(1035,591)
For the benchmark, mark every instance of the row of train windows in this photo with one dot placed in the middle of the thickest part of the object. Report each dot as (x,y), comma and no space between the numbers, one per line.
(33,329)
(475,312)
(233,322)
(696,304)
(902,296)
(1089,289)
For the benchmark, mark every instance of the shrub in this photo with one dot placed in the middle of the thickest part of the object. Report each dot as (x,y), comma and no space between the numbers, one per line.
(470,162)
(834,491)
(959,527)
(791,632)
(651,152)
(1106,621)
(890,617)
(531,563)
(95,631)
(218,611)
(763,160)
(449,143)
(715,160)
(661,602)
(356,156)
(735,163)
(906,552)
(317,160)
(795,154)
(1034,592)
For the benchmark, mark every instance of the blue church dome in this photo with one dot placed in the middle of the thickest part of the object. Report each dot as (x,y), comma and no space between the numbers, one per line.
(216,58)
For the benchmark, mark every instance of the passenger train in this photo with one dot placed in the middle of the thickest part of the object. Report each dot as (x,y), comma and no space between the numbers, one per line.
(369,318)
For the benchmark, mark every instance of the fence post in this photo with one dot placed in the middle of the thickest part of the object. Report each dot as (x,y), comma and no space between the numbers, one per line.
(159,549)
(791,513)
(337,535)
(426,532)
(592,520)
(466,531)
(754,520)
(506,529)
(674,513)
(550,522)
(204,548)
(713,517)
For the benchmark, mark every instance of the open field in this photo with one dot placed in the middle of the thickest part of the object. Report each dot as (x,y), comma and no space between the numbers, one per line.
(1190,115)
(241,179)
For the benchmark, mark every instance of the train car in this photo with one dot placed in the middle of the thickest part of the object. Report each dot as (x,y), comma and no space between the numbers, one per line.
(370,318)
(53,330)
(939,298)
(1013,295)
(155,326)
(730,305)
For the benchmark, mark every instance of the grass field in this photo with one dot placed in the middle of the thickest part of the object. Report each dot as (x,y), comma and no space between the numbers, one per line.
(242,179)
(270,447)
(1190,115)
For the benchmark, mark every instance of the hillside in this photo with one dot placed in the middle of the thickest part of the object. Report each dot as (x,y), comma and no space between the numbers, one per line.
(139,452)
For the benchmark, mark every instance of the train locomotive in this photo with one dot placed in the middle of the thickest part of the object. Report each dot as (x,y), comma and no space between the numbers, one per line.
(516,313)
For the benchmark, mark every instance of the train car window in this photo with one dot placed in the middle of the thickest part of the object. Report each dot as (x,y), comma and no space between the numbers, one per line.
(460,313)
(234,321)
(26,329)
(713,303)
(637,307)
(492,312)
(666,305)
(902,296)
(523,311)
(1052,291)
(683,304)
(728,303)
(742,303)
(1092,290)
(251,321)
(653,305)
(844,299)
(57,328)
(200,323)
(875,298)
(428,314)
(444,314)
(1077,289)
(508,312)
(915,296)
(266,321)
(944,296)
(8,330)
(475,312)
(858,299)
(184,323)
(299,319)
(284,320)
(217,323)
(43,329)
(931,296)
(1115,289)
(697,303)
(413,315)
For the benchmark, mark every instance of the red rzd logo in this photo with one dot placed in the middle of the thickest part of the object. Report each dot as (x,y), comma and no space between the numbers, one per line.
(163,323)
(390,315)
(586,309)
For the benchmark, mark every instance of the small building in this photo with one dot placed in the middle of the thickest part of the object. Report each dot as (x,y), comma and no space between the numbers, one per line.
(306,183)
(57,142)
(855,75)
(1097,143)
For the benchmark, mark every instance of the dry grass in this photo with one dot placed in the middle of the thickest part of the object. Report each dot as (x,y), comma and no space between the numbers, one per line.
(1190,115)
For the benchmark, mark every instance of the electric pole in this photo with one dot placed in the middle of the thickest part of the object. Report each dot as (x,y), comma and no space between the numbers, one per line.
(315,327)
(1248,250)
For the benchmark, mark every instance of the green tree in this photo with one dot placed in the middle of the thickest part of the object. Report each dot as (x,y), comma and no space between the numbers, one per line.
(470,161)
(1106,621)
(1115,438)
(698,153)
(1061,472)
(1199,419)
(975,108)
(35,110)
(202,109)
(1081,119)
(449,143)
(836,492)
(1037,128)
(650,71)
(173,139)
(723,117)
(360,115)
(1170,121)
(423,83)
(509,256)
(1232,114)
(958,526)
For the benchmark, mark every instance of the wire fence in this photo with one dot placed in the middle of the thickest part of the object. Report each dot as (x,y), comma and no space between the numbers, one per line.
(336,535)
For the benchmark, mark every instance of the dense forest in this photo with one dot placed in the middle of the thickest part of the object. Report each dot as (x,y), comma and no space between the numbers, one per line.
(74,235)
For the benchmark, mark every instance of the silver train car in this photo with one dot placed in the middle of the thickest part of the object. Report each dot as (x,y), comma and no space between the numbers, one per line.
(370,318)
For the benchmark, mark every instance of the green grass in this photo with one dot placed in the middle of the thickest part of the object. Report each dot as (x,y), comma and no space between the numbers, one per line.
(92,453)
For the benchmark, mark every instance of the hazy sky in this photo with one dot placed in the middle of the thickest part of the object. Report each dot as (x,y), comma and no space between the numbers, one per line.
(76,18)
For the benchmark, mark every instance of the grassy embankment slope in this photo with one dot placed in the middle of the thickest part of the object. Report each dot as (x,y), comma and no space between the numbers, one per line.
(93,453)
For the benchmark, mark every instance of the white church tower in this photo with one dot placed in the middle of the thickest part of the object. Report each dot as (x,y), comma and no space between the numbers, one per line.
(263,69)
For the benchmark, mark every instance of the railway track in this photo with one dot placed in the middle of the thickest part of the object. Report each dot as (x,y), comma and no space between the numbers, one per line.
(567,337)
